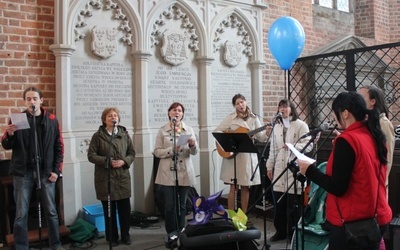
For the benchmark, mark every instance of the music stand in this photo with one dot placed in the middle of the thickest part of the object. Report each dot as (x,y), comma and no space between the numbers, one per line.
(235,143)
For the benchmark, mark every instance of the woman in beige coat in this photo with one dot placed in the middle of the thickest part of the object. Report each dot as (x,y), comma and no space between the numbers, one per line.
(246,163)
(168,170)
(288,129)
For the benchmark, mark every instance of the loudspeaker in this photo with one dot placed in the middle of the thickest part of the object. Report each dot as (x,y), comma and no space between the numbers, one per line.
(217,234)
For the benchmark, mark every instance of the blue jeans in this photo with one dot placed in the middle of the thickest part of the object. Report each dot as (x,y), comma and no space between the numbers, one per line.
(23,186)
(174,222)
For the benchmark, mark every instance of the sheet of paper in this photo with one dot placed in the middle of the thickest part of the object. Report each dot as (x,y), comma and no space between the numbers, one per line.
(183,140)
(299,155)
(20,120)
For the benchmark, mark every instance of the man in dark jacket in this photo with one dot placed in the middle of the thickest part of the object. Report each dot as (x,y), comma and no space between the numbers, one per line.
(36,152)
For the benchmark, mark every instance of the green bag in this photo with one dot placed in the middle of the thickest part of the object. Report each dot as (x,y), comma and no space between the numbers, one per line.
(82,231)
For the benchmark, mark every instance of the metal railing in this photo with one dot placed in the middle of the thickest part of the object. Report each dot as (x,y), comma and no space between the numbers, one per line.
(314,81)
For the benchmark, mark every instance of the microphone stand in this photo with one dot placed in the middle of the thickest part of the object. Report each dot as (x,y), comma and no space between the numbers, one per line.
(294,168)
(37,176)
(264,181)
(175,168)
(108,165)
(279,176)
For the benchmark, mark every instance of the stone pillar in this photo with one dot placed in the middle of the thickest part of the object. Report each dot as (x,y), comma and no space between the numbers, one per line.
(142,139)
(207,140)
(71,168)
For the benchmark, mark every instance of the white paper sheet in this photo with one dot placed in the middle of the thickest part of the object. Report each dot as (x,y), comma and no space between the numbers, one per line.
(20,120)
(300,155)
(183,140)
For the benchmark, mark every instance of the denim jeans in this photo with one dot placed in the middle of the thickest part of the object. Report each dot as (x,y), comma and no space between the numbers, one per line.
(23,186)
(173,222)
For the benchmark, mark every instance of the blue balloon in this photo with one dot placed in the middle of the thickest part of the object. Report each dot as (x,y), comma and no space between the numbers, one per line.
(286,40)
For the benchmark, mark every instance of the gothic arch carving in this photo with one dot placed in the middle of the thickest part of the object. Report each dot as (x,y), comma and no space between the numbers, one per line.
(121,11)
(189,24)
(233,18)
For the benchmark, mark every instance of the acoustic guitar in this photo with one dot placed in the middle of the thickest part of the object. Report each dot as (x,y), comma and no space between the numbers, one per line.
(229,155)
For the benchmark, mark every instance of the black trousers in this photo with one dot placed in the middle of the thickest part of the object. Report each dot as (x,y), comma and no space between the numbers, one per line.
(336,236)
(124,214)
(287,213)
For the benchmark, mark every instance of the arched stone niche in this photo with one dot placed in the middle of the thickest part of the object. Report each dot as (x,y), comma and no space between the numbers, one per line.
(141,56)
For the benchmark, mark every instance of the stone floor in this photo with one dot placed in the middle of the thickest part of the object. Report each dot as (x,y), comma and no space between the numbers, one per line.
(153,237)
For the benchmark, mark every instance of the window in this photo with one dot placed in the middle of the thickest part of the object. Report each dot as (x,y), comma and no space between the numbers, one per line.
(342,5)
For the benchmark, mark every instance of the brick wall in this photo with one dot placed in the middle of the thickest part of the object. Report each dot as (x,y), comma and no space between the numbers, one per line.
(27,30)
(373,21)
(394,27)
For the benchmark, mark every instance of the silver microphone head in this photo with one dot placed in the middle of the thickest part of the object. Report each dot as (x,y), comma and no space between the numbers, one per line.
(324,126)
(174,119)
(278,115)
(114,122)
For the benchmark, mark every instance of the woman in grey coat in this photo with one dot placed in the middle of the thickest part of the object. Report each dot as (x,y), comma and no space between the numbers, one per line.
(121,155)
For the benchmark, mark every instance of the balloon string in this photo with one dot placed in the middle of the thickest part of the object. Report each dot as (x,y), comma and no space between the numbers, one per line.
(286,84)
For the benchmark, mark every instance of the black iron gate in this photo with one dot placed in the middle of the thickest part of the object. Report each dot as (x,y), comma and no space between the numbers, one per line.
(315,81)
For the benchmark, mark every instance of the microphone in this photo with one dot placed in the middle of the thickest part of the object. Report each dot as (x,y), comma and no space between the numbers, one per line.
(278,115)
(174,120)
(324,126)
(114,122)
(33,107)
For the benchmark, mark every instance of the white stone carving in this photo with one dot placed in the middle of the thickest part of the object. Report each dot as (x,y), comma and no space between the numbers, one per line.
(105,5)
(88,11)
(175,13)
(120,15)
(127,39)
(78,35)
(232,22)
(175,49)
(232,53)
(96,3)
(110,5)
(104,42)
(84,146)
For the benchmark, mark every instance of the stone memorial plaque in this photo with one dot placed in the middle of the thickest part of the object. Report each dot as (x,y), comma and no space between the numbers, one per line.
(97,85)
(226,82)
(168,84)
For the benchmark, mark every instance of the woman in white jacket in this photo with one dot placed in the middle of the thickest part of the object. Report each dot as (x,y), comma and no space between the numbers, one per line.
(246,163)
(288,129)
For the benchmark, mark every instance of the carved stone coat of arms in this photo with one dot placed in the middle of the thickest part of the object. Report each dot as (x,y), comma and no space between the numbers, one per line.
(104,42)
(175,47)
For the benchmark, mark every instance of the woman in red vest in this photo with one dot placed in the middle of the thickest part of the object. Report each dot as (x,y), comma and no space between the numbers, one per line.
(357,160)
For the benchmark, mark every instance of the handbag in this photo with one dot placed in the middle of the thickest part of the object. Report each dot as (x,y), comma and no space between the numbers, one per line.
(362,233)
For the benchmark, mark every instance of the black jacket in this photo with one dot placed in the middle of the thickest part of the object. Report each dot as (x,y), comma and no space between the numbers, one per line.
(53,147)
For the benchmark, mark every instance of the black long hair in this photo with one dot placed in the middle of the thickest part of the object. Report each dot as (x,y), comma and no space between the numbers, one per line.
(356,105)
(377,94)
